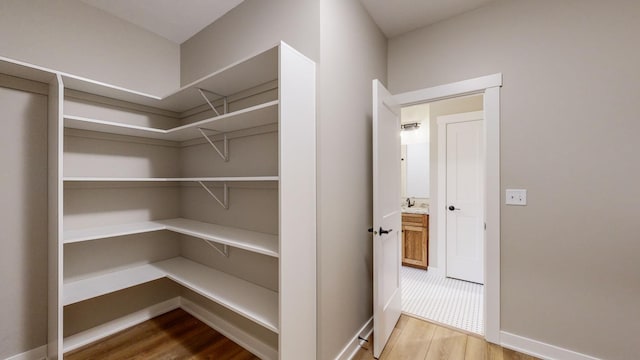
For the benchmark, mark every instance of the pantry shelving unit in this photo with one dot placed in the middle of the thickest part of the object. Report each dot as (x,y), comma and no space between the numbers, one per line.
(259,115)
(257,242)
(251,301)
(142,177)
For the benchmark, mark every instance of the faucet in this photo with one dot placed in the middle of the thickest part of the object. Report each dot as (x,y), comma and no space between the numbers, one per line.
(410,203)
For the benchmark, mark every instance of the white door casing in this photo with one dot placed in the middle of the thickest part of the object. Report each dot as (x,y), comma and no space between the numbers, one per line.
(386,216)
(489,86)
(461,139)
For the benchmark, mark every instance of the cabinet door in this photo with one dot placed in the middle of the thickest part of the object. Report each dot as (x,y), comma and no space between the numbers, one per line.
(414,246)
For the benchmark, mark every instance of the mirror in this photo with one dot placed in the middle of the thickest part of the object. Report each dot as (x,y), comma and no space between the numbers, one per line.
(415,152)
(417,180)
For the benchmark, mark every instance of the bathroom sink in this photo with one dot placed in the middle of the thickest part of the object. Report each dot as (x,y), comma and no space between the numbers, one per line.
(415,209)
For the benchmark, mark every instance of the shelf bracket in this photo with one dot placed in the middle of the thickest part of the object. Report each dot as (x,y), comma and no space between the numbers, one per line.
(224,154)
(225,100)
(225,201)
(224,251)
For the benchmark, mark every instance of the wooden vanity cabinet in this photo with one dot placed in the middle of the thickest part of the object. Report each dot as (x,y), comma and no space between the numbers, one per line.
(415,240)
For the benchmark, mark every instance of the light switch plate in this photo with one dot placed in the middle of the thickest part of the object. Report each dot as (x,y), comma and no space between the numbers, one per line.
(516,197)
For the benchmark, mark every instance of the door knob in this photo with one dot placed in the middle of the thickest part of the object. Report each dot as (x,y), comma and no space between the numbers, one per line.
(385,231)
(451,208)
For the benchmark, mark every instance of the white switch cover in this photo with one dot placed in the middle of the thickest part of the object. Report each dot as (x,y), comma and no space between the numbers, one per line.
(516,197)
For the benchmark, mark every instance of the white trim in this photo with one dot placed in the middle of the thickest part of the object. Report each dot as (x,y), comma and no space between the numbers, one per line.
(441,191)
(103,330)
(352,347)
(236,334)
(441,203)
(490,86)
(456,89)
(539,349)
(38,353)
(492,215)
(460,117)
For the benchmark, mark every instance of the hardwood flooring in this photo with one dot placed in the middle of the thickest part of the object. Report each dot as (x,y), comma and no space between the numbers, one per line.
(178,335)
(174,335)
(415,339)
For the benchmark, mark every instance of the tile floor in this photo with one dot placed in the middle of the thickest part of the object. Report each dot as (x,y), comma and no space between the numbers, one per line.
(448,301)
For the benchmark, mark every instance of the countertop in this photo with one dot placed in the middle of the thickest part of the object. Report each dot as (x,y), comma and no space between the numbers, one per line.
(415,209)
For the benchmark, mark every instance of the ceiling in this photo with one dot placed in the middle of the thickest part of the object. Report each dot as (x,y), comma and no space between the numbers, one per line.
(176,20)
(400,16)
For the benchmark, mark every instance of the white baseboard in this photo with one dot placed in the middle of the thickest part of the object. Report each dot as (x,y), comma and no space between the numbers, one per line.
(38,353)
(88,336)
(237,335)
(354,345)
(539,349)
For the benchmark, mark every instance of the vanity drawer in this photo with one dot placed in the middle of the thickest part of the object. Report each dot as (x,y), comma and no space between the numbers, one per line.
(415,240)
(414,219)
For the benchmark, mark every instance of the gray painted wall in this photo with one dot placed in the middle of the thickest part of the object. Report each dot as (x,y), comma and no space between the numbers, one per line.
(23,194)
(252,26)
(352,54)
(70,36)
(569,135)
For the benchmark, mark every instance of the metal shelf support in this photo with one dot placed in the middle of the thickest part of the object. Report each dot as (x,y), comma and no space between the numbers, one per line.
(224,154)
(225,100)
(225,201)
(224,251)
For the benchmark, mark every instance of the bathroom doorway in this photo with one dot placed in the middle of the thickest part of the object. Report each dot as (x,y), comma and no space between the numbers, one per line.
(430,289)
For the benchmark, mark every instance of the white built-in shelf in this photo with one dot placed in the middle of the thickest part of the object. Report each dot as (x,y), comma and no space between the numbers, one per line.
(251,117)
(245,74)
(194,179)
(262,243)
(25,70)
(249,300)
(95,286)
(95,233)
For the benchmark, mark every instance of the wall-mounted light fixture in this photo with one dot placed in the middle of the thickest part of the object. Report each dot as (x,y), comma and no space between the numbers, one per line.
(410,126)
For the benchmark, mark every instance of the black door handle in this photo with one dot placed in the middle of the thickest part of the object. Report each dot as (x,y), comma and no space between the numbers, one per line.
(451,208)
(385,231)
(370,229)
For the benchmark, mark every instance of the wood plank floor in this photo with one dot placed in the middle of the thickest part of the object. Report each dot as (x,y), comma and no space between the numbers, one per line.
(415,339)
(174,335)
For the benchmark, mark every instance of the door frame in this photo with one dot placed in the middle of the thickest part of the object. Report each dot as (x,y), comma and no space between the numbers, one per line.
(441,203)
(489,86)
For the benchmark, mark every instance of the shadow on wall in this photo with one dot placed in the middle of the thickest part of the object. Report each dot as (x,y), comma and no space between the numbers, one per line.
(34,221)
(23,259)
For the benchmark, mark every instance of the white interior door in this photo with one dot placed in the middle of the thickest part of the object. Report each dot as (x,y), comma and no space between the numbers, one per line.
(464,196)
(386,216)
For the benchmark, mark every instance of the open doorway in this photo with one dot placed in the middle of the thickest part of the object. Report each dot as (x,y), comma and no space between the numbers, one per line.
(442,196)
(387,212)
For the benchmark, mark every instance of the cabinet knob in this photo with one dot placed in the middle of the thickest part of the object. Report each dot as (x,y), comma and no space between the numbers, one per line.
(451,208)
